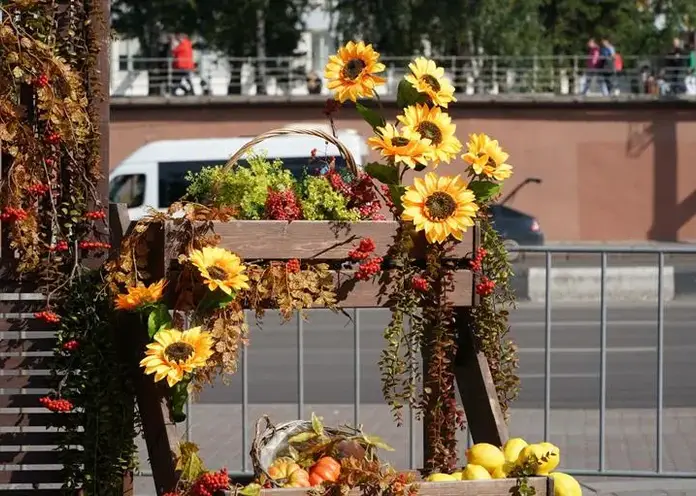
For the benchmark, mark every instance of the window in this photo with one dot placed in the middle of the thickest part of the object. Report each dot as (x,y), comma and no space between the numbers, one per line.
(128,189)
(172,175)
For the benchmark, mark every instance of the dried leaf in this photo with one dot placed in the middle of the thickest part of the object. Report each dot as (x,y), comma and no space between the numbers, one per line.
(317,425)
(302,437)
(377,442)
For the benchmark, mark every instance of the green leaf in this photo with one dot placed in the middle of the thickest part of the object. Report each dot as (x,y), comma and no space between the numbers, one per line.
(385,174)
(377,442)
(317,425)
(189,461)
(302,437)
(158,318)
(408,95)
(396,191)
(484,190)
(178,400)
(370,116)
(252,489)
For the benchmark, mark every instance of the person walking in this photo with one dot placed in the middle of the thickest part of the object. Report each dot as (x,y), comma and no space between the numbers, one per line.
(593,65)
(607,56)
(183,65)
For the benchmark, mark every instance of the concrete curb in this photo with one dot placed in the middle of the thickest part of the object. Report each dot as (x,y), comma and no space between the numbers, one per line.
(621,283)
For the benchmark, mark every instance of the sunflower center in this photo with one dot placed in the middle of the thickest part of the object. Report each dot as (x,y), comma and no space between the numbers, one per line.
(217,273)
(179,351)
(440,205)
(353,68)
(399,141)
(431,131)
(431,81)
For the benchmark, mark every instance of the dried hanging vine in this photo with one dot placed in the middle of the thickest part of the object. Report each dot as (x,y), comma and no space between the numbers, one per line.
(50,199)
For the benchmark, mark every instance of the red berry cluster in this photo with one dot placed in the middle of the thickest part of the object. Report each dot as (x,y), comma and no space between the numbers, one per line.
(38,189)
(50,162)
(42,81)
(337,182)
(95,215)
(61,245)
(282,205)
(171,494)
(477,263)
(94,245)
(293,266)
(420,284)
(59,405)
(485,286)
(47,316)
(369,268)
(13,213)
(53,138)
(313,153)
(387,196)
(363,251)
(71,345)
(371,211)
(211,482)
(331,107)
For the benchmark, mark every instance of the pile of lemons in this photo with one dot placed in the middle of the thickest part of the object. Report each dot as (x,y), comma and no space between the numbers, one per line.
(485,461)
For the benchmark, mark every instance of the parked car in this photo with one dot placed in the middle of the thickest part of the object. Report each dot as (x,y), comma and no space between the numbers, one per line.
(516,228)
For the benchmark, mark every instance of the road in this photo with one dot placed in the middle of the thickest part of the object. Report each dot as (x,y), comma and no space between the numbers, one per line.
(631,379)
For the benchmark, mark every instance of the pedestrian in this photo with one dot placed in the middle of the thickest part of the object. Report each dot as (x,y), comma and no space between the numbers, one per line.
(593,65)
(607,56)
(676,64)
(183,65)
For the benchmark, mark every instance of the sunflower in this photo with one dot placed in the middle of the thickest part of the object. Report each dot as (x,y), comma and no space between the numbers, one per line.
(140,296)
(220,268)
(435,125)
(426,77)
(440,206)
(404,145)
(487,158)
(175,353)
(351,72)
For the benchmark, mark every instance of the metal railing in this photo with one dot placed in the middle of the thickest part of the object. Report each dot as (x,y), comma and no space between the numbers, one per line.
(542,259)
(483,75)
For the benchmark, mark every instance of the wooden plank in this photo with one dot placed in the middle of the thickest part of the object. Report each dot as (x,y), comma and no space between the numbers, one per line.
(496,487)
(29,324)
(27,381)
(48,457)
(42,419)
(25,362)
(30,477)
(34,492)
(280,240)
(40,438)
(20,345)
(476,386)
(20,400)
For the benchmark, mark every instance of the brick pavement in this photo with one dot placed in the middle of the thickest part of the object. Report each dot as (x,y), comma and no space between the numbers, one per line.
(630,440)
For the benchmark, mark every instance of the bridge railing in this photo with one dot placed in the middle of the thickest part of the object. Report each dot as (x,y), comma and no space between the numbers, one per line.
(481,75)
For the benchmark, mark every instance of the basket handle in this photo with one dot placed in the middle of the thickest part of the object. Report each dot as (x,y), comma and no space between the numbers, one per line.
(345,153)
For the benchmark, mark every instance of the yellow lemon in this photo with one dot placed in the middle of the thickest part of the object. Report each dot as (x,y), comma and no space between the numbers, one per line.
(459,475)
(488,456)
(565,485)
(512,448)
(441,478)
(546,454)
(475,472)
(499,473)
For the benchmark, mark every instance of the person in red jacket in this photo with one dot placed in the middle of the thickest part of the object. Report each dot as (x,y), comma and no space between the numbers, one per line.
(183,65)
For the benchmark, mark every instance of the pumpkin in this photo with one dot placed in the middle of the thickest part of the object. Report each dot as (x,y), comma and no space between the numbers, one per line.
(325,469)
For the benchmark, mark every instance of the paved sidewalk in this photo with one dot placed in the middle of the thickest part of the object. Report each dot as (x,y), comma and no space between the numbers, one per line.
(630,440)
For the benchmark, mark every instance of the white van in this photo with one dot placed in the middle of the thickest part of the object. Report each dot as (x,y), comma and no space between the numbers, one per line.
(154,175)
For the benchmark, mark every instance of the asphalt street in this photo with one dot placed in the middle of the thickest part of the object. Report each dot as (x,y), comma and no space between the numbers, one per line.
(631,369)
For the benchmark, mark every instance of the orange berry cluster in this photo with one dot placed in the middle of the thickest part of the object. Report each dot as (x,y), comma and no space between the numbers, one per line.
(59,405)
(72,345)
(485,286)
(47,316)
(477,263)
(42,81)
(95,215)
(420,284)
(211,482)
(38,189)
(13,213)
(93,245)
(293,266)
(61,245)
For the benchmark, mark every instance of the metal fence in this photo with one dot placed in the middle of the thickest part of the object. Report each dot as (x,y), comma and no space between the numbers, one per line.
(602,261)
(483,75)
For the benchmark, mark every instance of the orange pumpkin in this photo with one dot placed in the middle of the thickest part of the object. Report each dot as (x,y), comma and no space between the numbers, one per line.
(282,468)
(298,478)
(325,469)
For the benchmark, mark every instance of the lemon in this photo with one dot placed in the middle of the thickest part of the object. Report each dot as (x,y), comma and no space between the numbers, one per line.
(475,472)
(512,448)
(565,485)
(441,478)
(499,473)
(459,475)
(541,450)
(486,455)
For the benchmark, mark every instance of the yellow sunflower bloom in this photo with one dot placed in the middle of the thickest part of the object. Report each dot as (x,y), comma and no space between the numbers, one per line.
(220,269)
(426,77)
(404,145)
(138,297)
(487,158)
(440,206)
(436,126)
(351,73)
(175,353)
